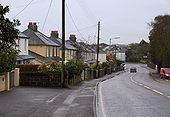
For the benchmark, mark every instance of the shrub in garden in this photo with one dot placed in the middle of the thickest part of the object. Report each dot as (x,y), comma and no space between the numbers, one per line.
(105,64)
(100,66)
(74,67)
(50,67)
(119,62)
(7,59)
(93,66)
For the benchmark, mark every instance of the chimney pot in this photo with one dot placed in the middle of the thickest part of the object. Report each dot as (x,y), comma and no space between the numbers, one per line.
(72,37)
(54,34)
(33,26)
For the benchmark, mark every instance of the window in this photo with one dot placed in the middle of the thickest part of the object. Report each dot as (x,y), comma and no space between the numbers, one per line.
(47,52)
(25,46)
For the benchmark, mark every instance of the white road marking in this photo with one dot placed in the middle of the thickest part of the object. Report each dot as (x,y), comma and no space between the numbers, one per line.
(149,88)
(51,100)
(141,84)
(157,92)
(168,96)
(101,102)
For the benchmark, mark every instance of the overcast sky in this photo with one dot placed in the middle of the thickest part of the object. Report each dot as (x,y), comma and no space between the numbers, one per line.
(125,18)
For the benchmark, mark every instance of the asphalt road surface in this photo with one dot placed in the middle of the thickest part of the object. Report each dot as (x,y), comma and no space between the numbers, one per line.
(133,95)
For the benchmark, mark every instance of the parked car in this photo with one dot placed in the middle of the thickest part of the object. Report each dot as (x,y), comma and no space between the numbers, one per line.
(133,70)
(165,73)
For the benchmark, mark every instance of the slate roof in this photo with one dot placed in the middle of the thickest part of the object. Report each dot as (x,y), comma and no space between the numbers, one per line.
(44,59)
(38,38)
(22,35)
(59,42)
(24,57)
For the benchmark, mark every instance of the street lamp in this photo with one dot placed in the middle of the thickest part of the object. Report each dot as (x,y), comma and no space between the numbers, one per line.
(117,37)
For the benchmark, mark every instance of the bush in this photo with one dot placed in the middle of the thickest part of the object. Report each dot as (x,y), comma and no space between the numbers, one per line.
(119,62)
(50,67)
(105,64)
(100,66)
(7,59)
(93,66)
(74,67)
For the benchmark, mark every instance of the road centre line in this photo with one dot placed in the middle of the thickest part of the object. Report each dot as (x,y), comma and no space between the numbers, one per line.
(157,92)
(147,87)
(168,96)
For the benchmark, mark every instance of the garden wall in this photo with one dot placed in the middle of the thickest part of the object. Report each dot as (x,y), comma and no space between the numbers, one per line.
(39,79)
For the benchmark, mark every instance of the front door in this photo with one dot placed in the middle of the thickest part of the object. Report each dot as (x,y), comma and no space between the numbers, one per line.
(2,83)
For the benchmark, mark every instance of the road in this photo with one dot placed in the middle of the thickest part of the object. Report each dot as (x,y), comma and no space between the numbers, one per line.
(133,95)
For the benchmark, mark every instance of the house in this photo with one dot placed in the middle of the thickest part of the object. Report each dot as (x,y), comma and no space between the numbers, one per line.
(88,53)
(22,47)
(84,51)
(70,51)
(118,49)
(101,54)
(41,45)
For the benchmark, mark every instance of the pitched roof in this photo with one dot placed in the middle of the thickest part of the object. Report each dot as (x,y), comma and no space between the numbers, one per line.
(59,42)
(44,59)
(38,38)
(22,35)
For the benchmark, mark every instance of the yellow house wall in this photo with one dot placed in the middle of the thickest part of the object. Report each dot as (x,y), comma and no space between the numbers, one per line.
(41,50)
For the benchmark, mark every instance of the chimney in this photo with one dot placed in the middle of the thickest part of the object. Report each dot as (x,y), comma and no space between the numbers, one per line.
(33,26)
(54,34)
(72,37)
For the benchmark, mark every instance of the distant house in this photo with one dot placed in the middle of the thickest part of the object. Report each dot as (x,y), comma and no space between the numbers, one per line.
(119,50)
(84,51)
(120,54)
(22,47)
(41,45)
(88,53)
(70,51)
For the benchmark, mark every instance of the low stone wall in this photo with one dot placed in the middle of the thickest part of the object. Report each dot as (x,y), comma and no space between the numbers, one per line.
(75,80)
(39,79)
(93,74)
(53,79)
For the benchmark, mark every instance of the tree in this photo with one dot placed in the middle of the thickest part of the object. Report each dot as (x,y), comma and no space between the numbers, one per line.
(138,52)
(159,37)
(8,34)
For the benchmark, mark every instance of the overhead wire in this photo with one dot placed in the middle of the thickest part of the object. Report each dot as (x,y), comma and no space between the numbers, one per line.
(20,6)
(23,9)
(47,15)
(74,22)
(82,29)
(87,11)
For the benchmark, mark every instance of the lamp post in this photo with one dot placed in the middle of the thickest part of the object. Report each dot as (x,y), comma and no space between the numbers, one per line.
(117,37)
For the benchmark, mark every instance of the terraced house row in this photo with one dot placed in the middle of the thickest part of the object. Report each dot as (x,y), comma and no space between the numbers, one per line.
(37,48)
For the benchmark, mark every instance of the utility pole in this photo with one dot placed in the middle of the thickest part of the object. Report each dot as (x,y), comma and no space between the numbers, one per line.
(98,37)
(63,45)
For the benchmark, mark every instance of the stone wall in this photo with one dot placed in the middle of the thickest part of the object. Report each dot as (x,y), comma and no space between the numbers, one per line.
(39,79)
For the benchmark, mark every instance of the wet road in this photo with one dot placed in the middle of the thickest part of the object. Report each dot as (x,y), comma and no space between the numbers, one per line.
(134,95)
